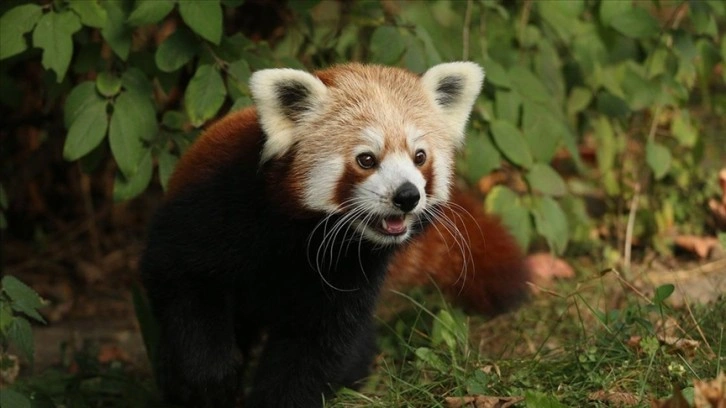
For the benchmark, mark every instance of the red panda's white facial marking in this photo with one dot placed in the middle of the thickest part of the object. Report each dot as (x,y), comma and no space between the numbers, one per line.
(373,144)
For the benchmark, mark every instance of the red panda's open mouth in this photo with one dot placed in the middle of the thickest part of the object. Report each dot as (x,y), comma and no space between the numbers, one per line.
(393,225)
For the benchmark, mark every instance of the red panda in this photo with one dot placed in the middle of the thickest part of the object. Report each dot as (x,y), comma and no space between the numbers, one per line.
(282,219)
(469,255)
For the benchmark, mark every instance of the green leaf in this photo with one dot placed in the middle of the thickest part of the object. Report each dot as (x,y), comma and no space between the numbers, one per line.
(722,239)
(14,399)
(150,11)
(543,178)
(90,12)
(511,143)
(496,74)
(173,120)
(429,357)
(636,23)
(606,144)
(108,84)
(578,100)
(178,49)
(204,95)
(53,34)
(551,223)
(87,130)
(167,163)
(535,399)
(481,157)
(116,33)
(240,73)
(126,188)
(24,299)
(658,158)
(662,293)
(543,132)
(81,96)
(21,335)
(507,105)
(133,120)
(683,129)
(13,24)
(505,203)
(528,85)
(6,317)
(612,9)
(134,80)
(612,105)
(241,103)
(387,45)
(204,17)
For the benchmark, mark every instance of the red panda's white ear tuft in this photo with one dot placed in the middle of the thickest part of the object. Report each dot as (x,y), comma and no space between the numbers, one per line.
(284,98)
(454,87)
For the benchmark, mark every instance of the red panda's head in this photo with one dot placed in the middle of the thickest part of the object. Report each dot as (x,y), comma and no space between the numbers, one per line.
(373,144)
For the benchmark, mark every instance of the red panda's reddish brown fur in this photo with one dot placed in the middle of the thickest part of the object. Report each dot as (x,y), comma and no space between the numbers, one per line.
(493,280)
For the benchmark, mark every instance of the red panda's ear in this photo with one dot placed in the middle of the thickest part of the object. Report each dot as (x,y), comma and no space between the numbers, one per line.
(454,87)
(284,98)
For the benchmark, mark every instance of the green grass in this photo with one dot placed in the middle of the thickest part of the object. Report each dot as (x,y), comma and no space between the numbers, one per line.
(596,335)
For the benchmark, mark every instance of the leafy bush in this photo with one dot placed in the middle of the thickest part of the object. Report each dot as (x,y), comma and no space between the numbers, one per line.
(614,77)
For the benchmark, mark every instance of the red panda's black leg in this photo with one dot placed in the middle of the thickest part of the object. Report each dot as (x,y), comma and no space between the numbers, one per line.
(357,362)
(198,360)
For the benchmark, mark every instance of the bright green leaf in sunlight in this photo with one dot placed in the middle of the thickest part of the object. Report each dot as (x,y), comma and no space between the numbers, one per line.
(116,33)
(53,34)
(606,144)
(133,120)
(511,143)
(204,95)
(23,298)
(178,49)
(387,45)
(658,158)
(551,223)
(535,399)
(204,17)
(90,12)
(543,178)
(108,84)
(636,23)
(13,24)
(167,162)
(505,203)
(430,357)
(150,11)
(87,129)
(126,188)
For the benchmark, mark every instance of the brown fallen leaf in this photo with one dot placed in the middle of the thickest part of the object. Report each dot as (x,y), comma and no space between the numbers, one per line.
(481,401)
(112,352)
(701,246)
(710,394)
(615,398)
(545,268)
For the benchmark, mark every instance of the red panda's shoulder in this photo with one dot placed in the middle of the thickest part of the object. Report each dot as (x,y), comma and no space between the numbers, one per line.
(236,137)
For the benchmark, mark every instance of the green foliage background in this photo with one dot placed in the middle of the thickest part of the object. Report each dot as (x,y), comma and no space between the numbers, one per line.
(137,81)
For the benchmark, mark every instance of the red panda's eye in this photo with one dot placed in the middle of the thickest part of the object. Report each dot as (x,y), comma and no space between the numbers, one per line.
(366,160)
(419,158)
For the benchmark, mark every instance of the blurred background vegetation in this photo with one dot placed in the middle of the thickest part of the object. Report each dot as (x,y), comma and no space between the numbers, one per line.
(600,132)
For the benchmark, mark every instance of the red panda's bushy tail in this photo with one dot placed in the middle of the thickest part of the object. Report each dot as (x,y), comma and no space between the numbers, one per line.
(490,281)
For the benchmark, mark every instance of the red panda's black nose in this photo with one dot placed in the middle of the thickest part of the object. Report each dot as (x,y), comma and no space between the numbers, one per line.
(406,197)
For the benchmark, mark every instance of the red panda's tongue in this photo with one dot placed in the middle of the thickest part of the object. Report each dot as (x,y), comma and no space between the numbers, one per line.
(393,225)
